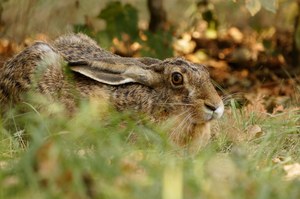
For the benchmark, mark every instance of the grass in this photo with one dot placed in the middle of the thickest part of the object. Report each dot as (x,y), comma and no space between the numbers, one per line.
(100,153)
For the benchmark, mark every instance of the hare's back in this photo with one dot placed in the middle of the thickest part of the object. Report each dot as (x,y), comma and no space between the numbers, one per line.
(78,47)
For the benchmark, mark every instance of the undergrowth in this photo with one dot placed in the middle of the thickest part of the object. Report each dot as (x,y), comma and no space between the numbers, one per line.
(101,153)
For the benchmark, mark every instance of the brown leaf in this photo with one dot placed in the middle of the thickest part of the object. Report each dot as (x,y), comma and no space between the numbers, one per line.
(278,109)
(47,161)
(185,45)
(292,171)
(277,160)
(254,131)
(236,34)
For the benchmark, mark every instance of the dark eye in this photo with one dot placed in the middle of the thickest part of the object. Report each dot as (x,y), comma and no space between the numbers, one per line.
(177,79)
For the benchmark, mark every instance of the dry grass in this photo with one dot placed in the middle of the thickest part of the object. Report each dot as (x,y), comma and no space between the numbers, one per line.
(48,155)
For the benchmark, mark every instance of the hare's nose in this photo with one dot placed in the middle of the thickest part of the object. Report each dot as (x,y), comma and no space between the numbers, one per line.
(210,106)
(217,110)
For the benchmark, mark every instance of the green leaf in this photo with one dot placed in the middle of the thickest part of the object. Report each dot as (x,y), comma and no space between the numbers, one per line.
(158,45)
(253,6)
(120,19)
(270,5)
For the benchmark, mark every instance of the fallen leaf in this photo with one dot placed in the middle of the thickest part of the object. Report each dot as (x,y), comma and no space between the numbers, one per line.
(254,131)
(185,45)
(236,34)
(278,109)
(277,160)
(281,160)
(292,171)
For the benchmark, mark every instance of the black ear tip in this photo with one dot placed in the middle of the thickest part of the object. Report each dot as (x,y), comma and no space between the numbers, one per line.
(78,63)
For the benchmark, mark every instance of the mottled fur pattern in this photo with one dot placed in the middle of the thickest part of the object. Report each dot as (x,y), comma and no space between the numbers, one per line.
(192,104)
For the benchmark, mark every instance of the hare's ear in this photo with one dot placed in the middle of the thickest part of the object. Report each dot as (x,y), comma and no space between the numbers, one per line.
(116,71)
(148,60)
(155,64)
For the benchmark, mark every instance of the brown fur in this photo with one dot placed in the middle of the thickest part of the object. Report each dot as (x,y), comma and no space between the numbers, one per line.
(42,66)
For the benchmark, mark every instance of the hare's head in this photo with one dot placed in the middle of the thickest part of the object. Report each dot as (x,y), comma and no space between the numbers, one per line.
(181,88)
(189,91)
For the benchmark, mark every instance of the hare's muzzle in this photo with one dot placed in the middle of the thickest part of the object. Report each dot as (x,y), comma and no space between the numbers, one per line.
(213,111)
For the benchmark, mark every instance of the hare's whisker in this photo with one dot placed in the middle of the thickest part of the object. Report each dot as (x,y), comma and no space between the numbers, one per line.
(184,112)
(179,104)
(184,128)
(233,95)
(179,127)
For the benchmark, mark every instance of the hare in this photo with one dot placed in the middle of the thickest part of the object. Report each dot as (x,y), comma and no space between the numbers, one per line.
(172,88)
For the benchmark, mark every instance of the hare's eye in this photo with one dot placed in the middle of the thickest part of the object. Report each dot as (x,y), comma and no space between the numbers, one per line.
(177,79)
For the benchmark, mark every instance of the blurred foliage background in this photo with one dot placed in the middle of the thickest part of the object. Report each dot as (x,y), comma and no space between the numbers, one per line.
(128,21)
